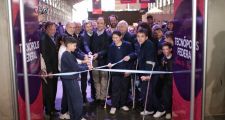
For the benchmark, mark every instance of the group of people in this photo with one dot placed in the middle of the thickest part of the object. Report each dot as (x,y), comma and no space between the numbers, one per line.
(81,47)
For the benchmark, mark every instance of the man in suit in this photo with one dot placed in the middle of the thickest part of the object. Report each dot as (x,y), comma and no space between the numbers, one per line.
(50,56)
(86,39)
(81,50)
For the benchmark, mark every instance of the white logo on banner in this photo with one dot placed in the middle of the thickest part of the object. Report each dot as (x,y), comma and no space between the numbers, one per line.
(184,47)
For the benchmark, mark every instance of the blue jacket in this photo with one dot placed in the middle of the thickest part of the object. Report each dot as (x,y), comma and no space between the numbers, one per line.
(116,53)
(69,64)
(86,39)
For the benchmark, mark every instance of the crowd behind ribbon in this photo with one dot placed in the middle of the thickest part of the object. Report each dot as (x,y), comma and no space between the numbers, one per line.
(76,47)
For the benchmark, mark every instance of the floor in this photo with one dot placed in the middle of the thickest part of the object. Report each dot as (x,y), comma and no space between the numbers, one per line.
(97,112)
(218,117)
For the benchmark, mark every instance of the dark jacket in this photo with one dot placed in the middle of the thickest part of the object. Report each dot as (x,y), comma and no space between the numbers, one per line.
(100,45)
(86,40)
(116,54)
(49,53)
(131,38)
(146,53)
(166,65)
(69,64)
(159,49)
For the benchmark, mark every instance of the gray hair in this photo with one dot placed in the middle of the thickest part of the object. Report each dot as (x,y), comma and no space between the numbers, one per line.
(87,22)
(68,23)
(123,22)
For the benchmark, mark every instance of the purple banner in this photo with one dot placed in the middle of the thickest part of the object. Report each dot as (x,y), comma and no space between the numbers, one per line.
(32,57)
(183,56)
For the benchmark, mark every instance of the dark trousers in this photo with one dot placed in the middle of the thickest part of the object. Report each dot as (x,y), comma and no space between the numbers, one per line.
(64,103)
(167,95)
(93,92)
(74,99)
(49,94)
(119,90)
(110,88)
(153,103)
(84,85)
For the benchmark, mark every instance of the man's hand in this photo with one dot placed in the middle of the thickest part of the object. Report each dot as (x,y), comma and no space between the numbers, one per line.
(126,74)
(145,78)
(109,65)
(95,56)
(85,61)
(50,75)
(43,74)
(90,67)
(85,57)
(126,58)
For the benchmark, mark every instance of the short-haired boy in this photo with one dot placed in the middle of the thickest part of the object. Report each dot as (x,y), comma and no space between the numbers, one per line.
(146,54)
(166,65)
(70,82)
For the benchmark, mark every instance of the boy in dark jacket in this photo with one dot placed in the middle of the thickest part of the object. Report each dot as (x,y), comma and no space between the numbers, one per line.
(166,65)
(147,54)
(70,82)
(117,51)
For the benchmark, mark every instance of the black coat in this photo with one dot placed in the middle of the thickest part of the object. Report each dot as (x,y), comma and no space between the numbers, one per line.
(49,53)
(146,53)
(131,38)
(166,65)
(100,45)
(86,42)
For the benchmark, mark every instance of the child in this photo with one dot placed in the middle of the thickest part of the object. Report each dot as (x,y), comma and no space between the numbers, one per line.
(69,64)
(64,104)
(170,25)
(159,40)
(166,65)
(169,37)
(147,53)
(118,50)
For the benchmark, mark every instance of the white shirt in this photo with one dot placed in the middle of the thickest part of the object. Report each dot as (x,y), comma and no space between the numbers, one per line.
(100,32)
(43,66)
(62,49)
